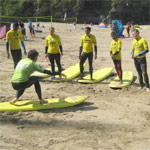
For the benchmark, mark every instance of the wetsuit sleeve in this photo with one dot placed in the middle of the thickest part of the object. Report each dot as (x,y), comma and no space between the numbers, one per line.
(46,48)
(46,42)
(133,49)
(61,49)
(143,52)
(119,48)
(95,47)
(38,67)
(94,41)
(80,50)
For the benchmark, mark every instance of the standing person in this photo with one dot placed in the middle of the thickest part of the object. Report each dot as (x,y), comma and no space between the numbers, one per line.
(115,53)
(23,31)
(87,42)
(53,50)
(21,78)
(128,27)
(30,26)
(139,50)
(14,37)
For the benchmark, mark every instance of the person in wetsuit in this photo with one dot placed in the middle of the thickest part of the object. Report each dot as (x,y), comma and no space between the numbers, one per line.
(13,39)
(21,78)
(115,53)
(87,42)
(139,50)
(53,50)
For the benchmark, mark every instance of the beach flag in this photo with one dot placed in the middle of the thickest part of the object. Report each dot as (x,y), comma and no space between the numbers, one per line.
(2,32)
(65,16)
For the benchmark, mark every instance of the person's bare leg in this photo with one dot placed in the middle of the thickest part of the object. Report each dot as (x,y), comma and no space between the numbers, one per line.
(13,101)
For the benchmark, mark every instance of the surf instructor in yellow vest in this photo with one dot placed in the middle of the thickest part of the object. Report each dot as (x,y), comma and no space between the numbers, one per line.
(139,50)
(87,42)
(53,50)
(115,53)
(13,39)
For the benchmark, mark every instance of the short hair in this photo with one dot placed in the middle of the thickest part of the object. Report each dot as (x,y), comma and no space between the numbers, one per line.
(32,54)
(16,24)
(113,33)
(135,30)
(51,28)
(88,28)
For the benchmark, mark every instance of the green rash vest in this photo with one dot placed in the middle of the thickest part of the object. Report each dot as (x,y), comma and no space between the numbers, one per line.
(24,69)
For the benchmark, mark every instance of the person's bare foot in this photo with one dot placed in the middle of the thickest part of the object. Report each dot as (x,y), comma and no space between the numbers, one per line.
(147,89)
(139,88)
(42,101)
(81,77)
(14,101)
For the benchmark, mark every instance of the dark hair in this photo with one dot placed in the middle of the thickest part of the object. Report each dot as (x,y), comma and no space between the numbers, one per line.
(16,24)
(51,28)
(88,28)
(113,33)
(32,54)
(135,30)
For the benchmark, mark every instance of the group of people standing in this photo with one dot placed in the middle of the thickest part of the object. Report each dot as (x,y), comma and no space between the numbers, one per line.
(21,78)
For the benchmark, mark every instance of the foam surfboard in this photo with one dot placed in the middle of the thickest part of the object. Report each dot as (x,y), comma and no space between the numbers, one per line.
(42,75)
(70,73)
(98,75)
(27,105)
(127,80)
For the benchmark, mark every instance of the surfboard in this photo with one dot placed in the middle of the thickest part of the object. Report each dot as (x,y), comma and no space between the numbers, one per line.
(35,105)
(42,75)
(127,80)
(70,73)
(98,75)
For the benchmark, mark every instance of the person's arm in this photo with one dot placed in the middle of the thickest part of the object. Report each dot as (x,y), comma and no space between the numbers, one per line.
(95,48)
(143,52)
(7,48)
(80,51)
(61,49)
(46,48)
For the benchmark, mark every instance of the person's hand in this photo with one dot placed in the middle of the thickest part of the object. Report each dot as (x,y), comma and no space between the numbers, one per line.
(8,55)
(46,55)
(112,56)
(135,56)
(61,54)
(132,57)
(95,56)
(25,53)
(63,75)
(80,57)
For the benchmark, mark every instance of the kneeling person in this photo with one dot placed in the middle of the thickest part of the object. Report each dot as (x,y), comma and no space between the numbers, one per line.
(21,78)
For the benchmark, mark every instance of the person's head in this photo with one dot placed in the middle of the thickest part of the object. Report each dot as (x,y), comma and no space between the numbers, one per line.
(15,26)
(113,35)
(135,33)
(33,55)
(52,30)
(87,30)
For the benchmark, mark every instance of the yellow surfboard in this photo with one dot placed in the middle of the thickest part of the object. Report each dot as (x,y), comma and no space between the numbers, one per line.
(98,75)
(127,80)
(35,105)
(70,73)
(42,75)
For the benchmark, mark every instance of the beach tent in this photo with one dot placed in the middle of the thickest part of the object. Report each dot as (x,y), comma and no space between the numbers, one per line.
(3,31)
(118,28)
(102,25)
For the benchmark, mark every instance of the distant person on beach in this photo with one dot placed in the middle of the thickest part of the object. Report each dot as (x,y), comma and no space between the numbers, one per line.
(30,26)
(13,39)
(53,50)
(87,42)
(74,25)
(33,31)
(23,31)
(139,50)
(115,53)
(22,80)
(128,28)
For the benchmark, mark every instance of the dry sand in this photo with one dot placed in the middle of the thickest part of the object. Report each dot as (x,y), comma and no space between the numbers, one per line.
(107,120)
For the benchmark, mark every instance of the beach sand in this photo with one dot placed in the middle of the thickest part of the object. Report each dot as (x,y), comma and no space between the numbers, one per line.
(108,120)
